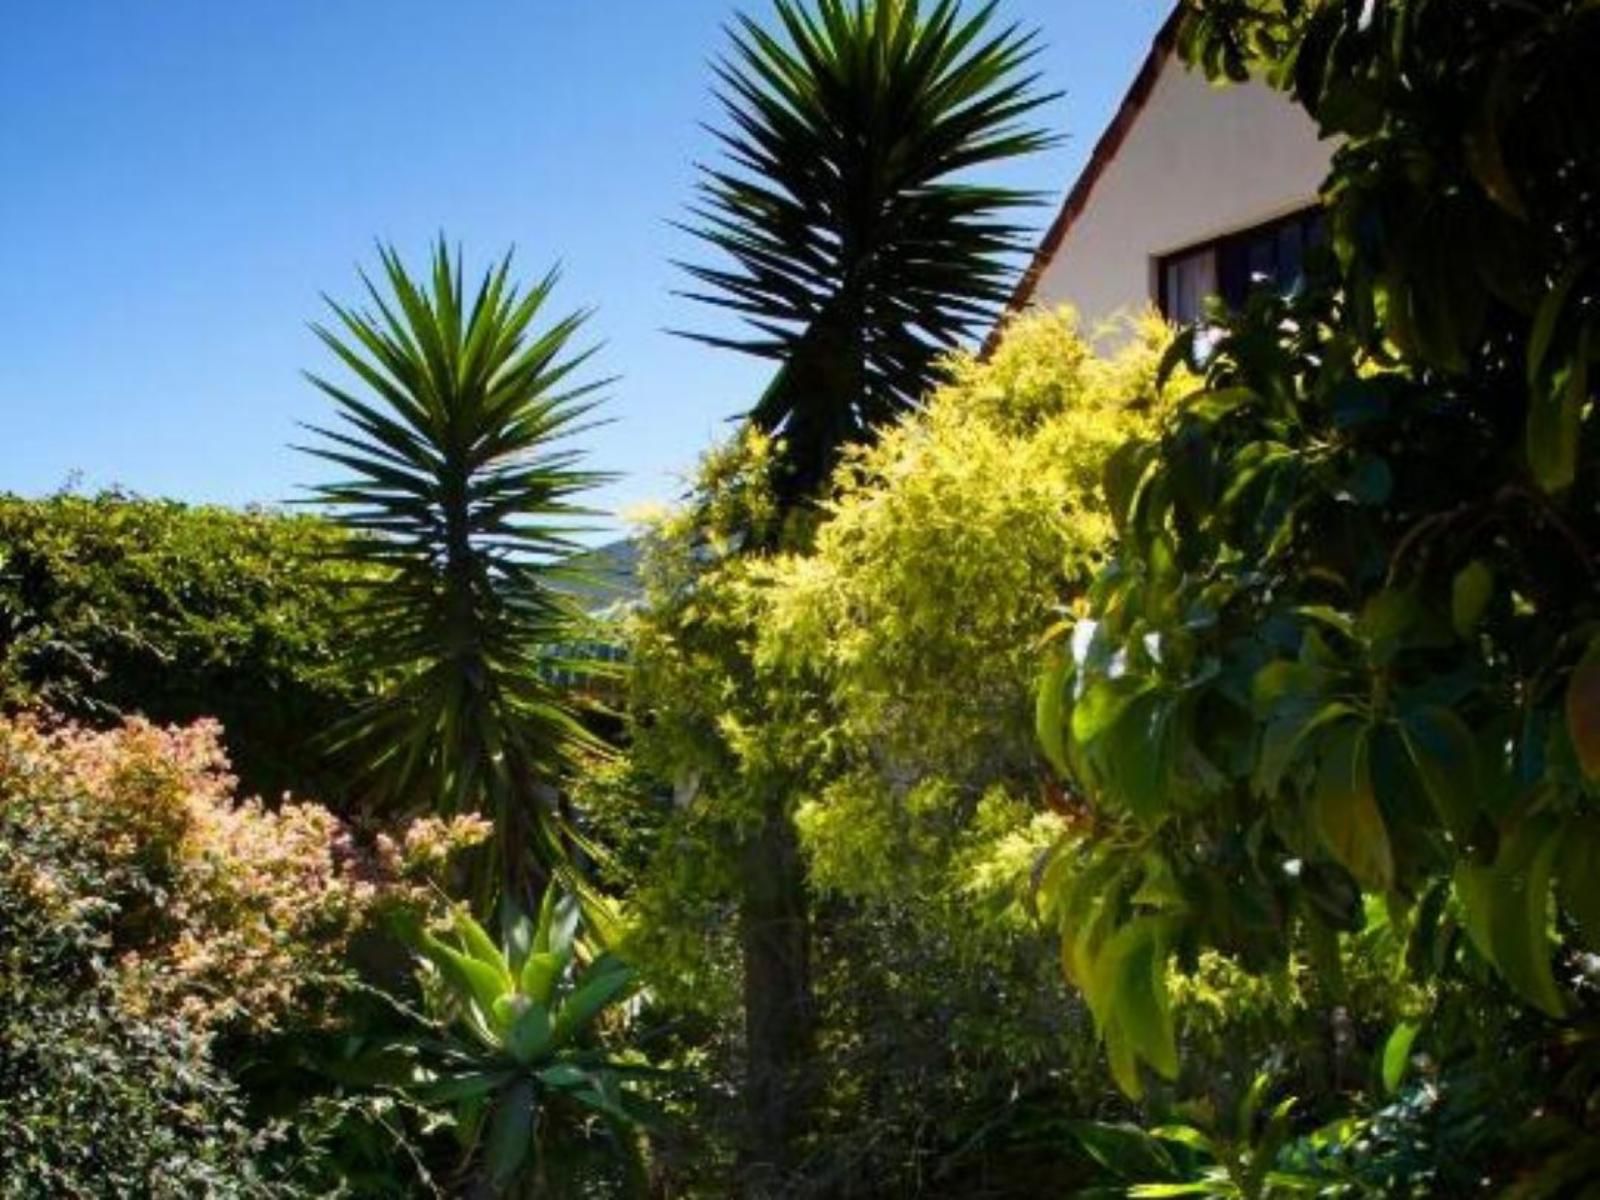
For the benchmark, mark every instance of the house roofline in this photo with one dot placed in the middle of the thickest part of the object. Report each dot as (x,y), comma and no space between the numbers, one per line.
(1105,150)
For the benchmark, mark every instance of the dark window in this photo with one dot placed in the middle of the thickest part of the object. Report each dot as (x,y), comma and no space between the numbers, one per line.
(1270,255)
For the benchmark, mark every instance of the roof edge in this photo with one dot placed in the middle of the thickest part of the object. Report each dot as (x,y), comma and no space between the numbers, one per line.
(1105,149)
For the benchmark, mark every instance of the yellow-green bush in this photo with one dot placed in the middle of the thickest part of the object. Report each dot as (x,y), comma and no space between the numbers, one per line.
(877,676)
(942,549)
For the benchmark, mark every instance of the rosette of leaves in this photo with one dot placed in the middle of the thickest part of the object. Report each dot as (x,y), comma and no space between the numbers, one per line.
(537,1099)
(847,228)
(459,501)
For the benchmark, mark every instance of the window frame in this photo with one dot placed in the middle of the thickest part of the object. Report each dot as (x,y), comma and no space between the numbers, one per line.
(1308,217)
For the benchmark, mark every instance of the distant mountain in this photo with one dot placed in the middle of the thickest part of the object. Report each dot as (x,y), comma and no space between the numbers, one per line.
(610,581)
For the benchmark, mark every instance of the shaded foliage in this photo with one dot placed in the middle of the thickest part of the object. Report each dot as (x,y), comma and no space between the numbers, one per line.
(1343,647)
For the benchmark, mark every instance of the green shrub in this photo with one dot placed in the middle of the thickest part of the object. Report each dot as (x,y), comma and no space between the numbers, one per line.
(95,1101)
(161,944)
(881,678)
(113,605)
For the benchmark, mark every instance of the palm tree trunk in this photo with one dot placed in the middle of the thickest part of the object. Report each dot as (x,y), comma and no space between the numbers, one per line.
(778,1003)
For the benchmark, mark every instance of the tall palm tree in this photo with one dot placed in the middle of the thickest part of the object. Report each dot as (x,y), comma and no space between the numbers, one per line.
(459,504)
(850,236)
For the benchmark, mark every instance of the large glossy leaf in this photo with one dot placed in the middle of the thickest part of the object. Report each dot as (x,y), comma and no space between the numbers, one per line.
(481,946)
(509,1143)
(530,1034)
(1507,909)
(474,982)
(1583,711)
(1283,738)
(539,975)
(1397,1054)
(469,1085)
(1470,593)
(1129,996)
(1346,810)
(1555,414)
(1100,707)
(1578,876)
(1139,748)
(606,979)
(1050,711)
(1445,755)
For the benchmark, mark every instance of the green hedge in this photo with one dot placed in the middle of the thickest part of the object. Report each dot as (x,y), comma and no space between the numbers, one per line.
(112,605)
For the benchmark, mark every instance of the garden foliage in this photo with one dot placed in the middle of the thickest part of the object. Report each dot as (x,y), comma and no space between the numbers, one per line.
(1343,648)
(145,915)
(882,679)
(112,605)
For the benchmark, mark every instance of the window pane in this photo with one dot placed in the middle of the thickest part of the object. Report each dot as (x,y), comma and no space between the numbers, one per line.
(1187,281)
(1271,255)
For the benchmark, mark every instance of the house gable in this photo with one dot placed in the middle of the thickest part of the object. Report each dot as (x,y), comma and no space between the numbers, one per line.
(1183,162)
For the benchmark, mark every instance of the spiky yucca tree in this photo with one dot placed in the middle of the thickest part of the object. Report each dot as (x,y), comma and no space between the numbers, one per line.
(852,237)
(459,504)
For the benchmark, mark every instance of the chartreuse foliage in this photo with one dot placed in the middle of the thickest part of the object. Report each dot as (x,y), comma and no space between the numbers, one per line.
(936,551)
(942,546)
(538,1099)
(883,677)
(1345,643)
(851,237)
(459,505)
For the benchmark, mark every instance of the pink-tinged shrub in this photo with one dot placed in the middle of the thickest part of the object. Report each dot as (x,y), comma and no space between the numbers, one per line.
(223,911)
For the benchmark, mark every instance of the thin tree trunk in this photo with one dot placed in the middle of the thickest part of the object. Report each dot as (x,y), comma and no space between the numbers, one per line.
(778,1003)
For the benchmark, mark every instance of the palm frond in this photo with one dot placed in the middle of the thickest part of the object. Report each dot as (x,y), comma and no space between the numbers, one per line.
(460,493)
(847,230)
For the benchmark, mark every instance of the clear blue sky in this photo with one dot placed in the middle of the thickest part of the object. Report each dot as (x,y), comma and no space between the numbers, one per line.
(180,179)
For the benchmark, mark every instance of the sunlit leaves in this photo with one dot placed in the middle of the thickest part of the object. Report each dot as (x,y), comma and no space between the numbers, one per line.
(530,1009)
(1050,710)
(1397,1053)
(1119,960)
(1128,992)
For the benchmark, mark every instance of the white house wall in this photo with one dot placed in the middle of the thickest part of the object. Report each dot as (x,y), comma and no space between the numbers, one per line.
(1197,162)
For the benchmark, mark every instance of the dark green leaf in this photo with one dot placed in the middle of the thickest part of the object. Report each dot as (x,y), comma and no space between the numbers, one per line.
(1346,811)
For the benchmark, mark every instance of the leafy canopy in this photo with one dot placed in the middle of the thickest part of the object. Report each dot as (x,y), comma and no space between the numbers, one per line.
(1344,646)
